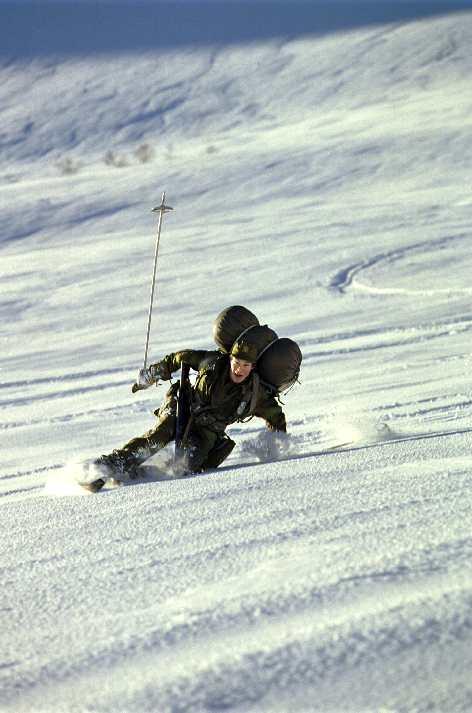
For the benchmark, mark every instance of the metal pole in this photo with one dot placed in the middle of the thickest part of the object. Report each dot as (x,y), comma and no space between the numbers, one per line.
(183,409)
(161,209)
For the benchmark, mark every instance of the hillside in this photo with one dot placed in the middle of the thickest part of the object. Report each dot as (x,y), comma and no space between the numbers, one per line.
(319,175)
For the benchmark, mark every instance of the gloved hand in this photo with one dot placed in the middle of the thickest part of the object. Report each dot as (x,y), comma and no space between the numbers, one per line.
(145,378)
(280,427)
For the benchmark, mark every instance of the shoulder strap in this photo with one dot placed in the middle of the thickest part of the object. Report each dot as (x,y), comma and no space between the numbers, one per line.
(248,404)
(255,392)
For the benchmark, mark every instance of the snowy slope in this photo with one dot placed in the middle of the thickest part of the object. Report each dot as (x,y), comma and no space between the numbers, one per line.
(323,180)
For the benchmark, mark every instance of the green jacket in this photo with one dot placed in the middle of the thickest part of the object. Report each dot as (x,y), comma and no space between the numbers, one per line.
(216,400)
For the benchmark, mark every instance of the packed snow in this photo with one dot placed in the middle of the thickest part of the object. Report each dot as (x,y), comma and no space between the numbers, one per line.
(322,179)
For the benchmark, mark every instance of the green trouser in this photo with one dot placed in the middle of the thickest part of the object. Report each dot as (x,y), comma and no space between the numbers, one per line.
(203,448)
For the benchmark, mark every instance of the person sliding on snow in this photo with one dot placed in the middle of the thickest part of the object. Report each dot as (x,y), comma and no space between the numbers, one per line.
(227,389)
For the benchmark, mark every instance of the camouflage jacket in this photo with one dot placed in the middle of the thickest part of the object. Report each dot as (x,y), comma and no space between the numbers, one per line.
(216,400)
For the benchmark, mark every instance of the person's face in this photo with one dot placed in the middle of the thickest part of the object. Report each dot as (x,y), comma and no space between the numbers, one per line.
(239,370)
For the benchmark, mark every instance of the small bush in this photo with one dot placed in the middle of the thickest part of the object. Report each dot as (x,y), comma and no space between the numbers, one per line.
(68,166)
(144,153)
(114,159)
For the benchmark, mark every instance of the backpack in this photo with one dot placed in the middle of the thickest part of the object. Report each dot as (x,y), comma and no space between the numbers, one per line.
(279,359)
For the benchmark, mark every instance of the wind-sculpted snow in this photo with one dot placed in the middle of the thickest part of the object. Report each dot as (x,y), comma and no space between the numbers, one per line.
(322,179)
(215,592)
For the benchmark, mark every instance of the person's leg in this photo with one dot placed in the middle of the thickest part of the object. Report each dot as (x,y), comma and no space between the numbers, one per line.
(219,452)
(141,448)
(122,463)
(197,445)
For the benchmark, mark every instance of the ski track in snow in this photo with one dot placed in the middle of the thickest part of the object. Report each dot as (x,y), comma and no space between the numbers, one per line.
(323,181)
(348,277)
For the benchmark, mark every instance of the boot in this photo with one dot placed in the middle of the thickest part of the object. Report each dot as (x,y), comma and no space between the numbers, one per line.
(116,466)
(95,486)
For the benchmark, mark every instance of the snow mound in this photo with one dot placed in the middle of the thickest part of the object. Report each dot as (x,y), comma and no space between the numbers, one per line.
(358,428)
(270,446)
(68,480)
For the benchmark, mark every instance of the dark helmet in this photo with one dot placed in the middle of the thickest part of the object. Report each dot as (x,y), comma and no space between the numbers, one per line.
(241,349)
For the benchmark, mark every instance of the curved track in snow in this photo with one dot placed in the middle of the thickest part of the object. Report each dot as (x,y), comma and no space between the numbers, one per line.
(351,277)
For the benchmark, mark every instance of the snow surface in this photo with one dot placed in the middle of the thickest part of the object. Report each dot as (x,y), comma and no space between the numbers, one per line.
(321,178)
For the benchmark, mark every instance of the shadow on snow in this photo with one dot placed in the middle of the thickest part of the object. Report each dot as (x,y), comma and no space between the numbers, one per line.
(30,28)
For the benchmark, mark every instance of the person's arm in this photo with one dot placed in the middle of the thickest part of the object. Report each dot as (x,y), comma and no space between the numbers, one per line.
(270,410)
(164,368)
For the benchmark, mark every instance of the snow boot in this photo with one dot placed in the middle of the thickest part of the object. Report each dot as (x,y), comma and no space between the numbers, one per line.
(116,466)
(95,486)
(118,463)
